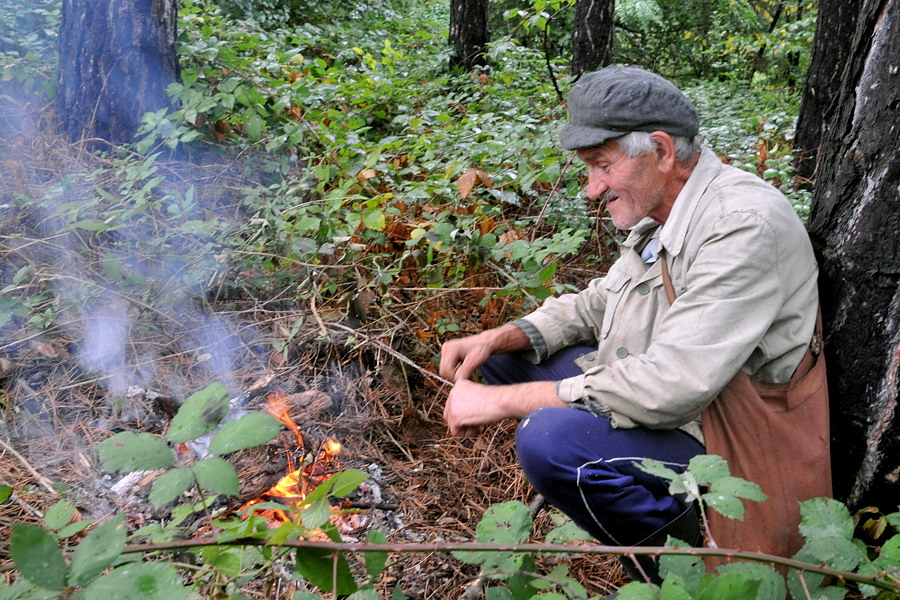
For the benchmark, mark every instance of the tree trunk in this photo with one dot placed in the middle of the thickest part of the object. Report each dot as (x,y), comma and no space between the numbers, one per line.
(592,38)
(835,28)
(116,60)
(469,33)
(854,222)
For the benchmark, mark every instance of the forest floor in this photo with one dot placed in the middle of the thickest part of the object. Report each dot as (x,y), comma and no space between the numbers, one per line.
(435,488)
(372,373)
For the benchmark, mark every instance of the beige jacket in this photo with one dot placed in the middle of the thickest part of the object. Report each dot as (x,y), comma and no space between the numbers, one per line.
(745,280)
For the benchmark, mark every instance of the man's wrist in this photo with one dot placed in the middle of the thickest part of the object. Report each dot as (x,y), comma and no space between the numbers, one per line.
(507,338)
(519,399)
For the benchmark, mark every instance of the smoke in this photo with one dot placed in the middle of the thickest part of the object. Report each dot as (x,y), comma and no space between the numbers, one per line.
(104,347)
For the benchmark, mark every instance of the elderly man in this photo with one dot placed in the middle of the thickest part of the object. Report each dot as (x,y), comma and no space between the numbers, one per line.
(716,283)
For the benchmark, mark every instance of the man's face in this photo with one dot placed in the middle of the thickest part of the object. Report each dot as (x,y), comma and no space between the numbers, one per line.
(633,188)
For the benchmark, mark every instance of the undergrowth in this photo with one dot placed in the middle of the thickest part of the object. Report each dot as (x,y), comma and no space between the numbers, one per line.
(100,564)
(331,174)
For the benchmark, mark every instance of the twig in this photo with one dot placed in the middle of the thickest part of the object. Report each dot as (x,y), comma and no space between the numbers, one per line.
(370,340)
(312,307)
(40,478)
(540,217)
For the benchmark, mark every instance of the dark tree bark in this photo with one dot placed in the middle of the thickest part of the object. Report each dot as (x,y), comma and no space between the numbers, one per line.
(835,28)
(469,33)
(854,224)
(116,59)
(592,39)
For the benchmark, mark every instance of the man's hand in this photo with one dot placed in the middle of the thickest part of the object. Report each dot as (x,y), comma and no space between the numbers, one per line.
(472,405)
(460,357)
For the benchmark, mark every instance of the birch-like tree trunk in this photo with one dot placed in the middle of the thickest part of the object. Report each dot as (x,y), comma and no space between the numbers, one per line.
(855,227)
(592,38)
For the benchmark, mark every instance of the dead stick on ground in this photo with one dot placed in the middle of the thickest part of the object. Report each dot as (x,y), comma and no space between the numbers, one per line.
(40,478)
(367,339)
(312,306)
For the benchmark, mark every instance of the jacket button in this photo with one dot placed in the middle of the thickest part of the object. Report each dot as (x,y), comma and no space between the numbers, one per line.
(621,352)
(643,289)
(590,357)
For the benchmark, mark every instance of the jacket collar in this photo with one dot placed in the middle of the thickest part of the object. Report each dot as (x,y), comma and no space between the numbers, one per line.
(674,233)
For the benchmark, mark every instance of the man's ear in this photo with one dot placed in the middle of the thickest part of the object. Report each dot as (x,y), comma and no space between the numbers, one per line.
(664,147)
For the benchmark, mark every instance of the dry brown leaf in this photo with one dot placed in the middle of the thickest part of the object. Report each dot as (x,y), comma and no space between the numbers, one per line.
(509,236)
(44,348)
(467,181)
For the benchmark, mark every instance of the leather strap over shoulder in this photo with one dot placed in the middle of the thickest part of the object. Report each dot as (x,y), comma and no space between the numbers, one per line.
(667,280)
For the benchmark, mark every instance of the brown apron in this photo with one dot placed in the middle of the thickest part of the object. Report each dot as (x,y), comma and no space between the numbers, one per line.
(776,435)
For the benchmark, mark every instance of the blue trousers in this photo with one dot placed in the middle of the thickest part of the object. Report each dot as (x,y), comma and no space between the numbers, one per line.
(586,468)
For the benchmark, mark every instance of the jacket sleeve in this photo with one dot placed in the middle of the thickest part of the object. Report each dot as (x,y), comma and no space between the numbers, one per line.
(566,320)
(732,293)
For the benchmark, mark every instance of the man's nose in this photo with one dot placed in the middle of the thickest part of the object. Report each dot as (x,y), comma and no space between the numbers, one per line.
(596,184)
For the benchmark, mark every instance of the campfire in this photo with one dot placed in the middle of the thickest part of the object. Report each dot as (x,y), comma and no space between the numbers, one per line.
(300,480)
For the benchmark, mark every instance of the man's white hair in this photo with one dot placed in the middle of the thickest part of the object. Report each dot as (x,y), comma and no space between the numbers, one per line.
(638,143)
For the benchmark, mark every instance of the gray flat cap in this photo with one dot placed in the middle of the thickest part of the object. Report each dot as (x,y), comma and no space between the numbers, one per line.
(611,102)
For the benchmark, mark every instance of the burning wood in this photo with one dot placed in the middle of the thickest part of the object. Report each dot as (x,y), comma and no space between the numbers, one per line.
(294,487)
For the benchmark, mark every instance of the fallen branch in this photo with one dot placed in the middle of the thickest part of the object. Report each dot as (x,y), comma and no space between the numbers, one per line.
(336,547)
(40,478)
(382,346)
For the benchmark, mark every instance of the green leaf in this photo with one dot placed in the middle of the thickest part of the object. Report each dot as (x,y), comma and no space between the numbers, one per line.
(139,581)
(126,452)
(253,429)
(199,414)
(306,596)
(836,552)
(709,467)
(638,591)
(672,590)
(72,529)
(374,220)
(346,482)
(800,583)
(316,513)
(375,561)
(59,515)
(505,523)
(5,493)
(316,510)
(771,583)
(397,594)
(725,504)
(734,586)
(655,467)
(23,589)
(566,531)
(253,527)
(740,488)
(91,225)
(99,549)
(686,571)
(226,562)
(217,475)
(325,570)
(253,125)
(37,557)
(367,593)
(498,593)
(824,517)
(170,485)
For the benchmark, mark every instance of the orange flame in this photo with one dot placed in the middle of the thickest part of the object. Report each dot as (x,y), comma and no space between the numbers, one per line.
(297,484)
